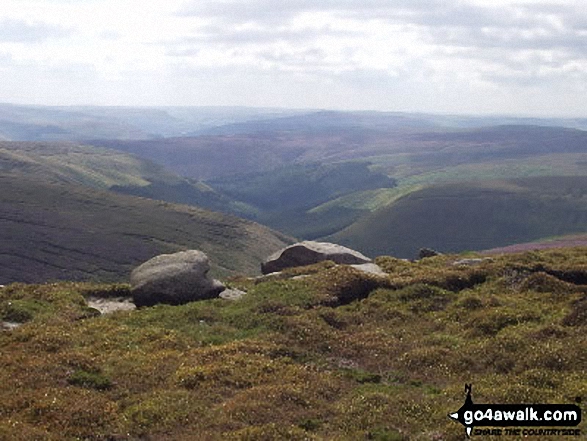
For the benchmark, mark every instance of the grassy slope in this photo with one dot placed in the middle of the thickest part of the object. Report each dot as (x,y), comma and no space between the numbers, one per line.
(54,231)
(285,362)
(414,156)
(97,167)
(472,216)
(68,162)
(284,197)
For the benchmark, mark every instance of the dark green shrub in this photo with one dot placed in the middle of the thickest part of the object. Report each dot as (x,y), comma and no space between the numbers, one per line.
(89,380)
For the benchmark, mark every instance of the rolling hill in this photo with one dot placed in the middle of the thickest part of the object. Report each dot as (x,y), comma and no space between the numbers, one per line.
(313,175)
(76,123)
(78,163)
(244,165)
(56,231)
(472,216)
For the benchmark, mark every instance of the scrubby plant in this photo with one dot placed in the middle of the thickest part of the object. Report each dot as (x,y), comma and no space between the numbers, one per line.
(336,354)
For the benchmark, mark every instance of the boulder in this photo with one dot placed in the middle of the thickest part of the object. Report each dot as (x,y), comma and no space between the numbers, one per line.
(310,252)
(174,279)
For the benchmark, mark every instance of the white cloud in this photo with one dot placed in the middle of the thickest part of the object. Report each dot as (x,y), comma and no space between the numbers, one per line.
(518,56)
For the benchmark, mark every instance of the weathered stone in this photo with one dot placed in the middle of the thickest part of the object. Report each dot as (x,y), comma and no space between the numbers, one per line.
(370,268)
(174,279)
(310,252)
(109,305)
(232,294)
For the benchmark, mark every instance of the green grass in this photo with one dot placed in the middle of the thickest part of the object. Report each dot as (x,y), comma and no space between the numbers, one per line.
(472,216)
(81,164)
(290,360)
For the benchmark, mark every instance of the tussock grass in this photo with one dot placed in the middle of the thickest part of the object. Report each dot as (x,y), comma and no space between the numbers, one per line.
(334,355)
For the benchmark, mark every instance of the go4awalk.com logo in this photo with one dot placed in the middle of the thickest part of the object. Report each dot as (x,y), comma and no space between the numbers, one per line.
(518,419)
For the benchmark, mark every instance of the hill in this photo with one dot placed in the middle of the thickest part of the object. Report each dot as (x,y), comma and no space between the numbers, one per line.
(571,241)
(56,231)
(410,156)
(335,355)
(472,216)
(283,198)
(76,123)
(400,152)
(78,163)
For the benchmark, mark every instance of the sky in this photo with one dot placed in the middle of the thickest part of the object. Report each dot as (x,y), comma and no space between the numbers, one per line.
(514,57)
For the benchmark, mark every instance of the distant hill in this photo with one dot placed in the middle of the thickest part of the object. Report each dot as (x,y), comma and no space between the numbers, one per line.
(282,198)
(573,240)
(251,167)
(472,216)
(101,168)
(401,153)
(75,123)
(53,231)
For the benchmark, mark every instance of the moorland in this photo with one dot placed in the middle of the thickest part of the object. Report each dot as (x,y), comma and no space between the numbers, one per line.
(335,355)
(324,352)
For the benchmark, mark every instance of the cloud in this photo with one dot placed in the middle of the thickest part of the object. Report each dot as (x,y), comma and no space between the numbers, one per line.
(382,54)
(20,31)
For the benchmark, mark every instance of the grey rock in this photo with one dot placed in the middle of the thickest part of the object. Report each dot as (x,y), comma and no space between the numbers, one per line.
(310,252)
(470,262)
(370,268)
(9,326)
(174,279)
(109,305)
(231,294)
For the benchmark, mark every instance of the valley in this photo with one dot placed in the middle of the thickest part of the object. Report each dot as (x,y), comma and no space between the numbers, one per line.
(382,183)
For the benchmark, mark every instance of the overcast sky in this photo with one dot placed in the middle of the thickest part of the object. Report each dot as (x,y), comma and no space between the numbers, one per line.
(445,56)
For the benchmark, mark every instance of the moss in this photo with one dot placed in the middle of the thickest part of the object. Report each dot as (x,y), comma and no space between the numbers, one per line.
(92,380)
(22,310)
(291,360)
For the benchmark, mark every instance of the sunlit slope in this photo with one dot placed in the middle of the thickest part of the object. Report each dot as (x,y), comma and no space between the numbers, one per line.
(472,216)
(57,231)
(102,168)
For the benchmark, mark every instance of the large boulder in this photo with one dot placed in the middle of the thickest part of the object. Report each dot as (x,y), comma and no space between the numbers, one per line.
(174,279)
(309,252)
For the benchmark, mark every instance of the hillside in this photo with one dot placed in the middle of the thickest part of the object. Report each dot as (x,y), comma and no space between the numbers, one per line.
(401,152)
(472,216)
(77,163)
(335,355)
(52,231)
(256,167)
(76,123)
(283,198)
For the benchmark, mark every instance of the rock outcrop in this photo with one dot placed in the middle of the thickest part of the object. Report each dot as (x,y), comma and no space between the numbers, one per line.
(310,252)
(174,279)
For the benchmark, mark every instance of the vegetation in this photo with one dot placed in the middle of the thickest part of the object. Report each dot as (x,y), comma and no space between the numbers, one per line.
(472,216)
(284,198)
(71,232)
(334,355)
